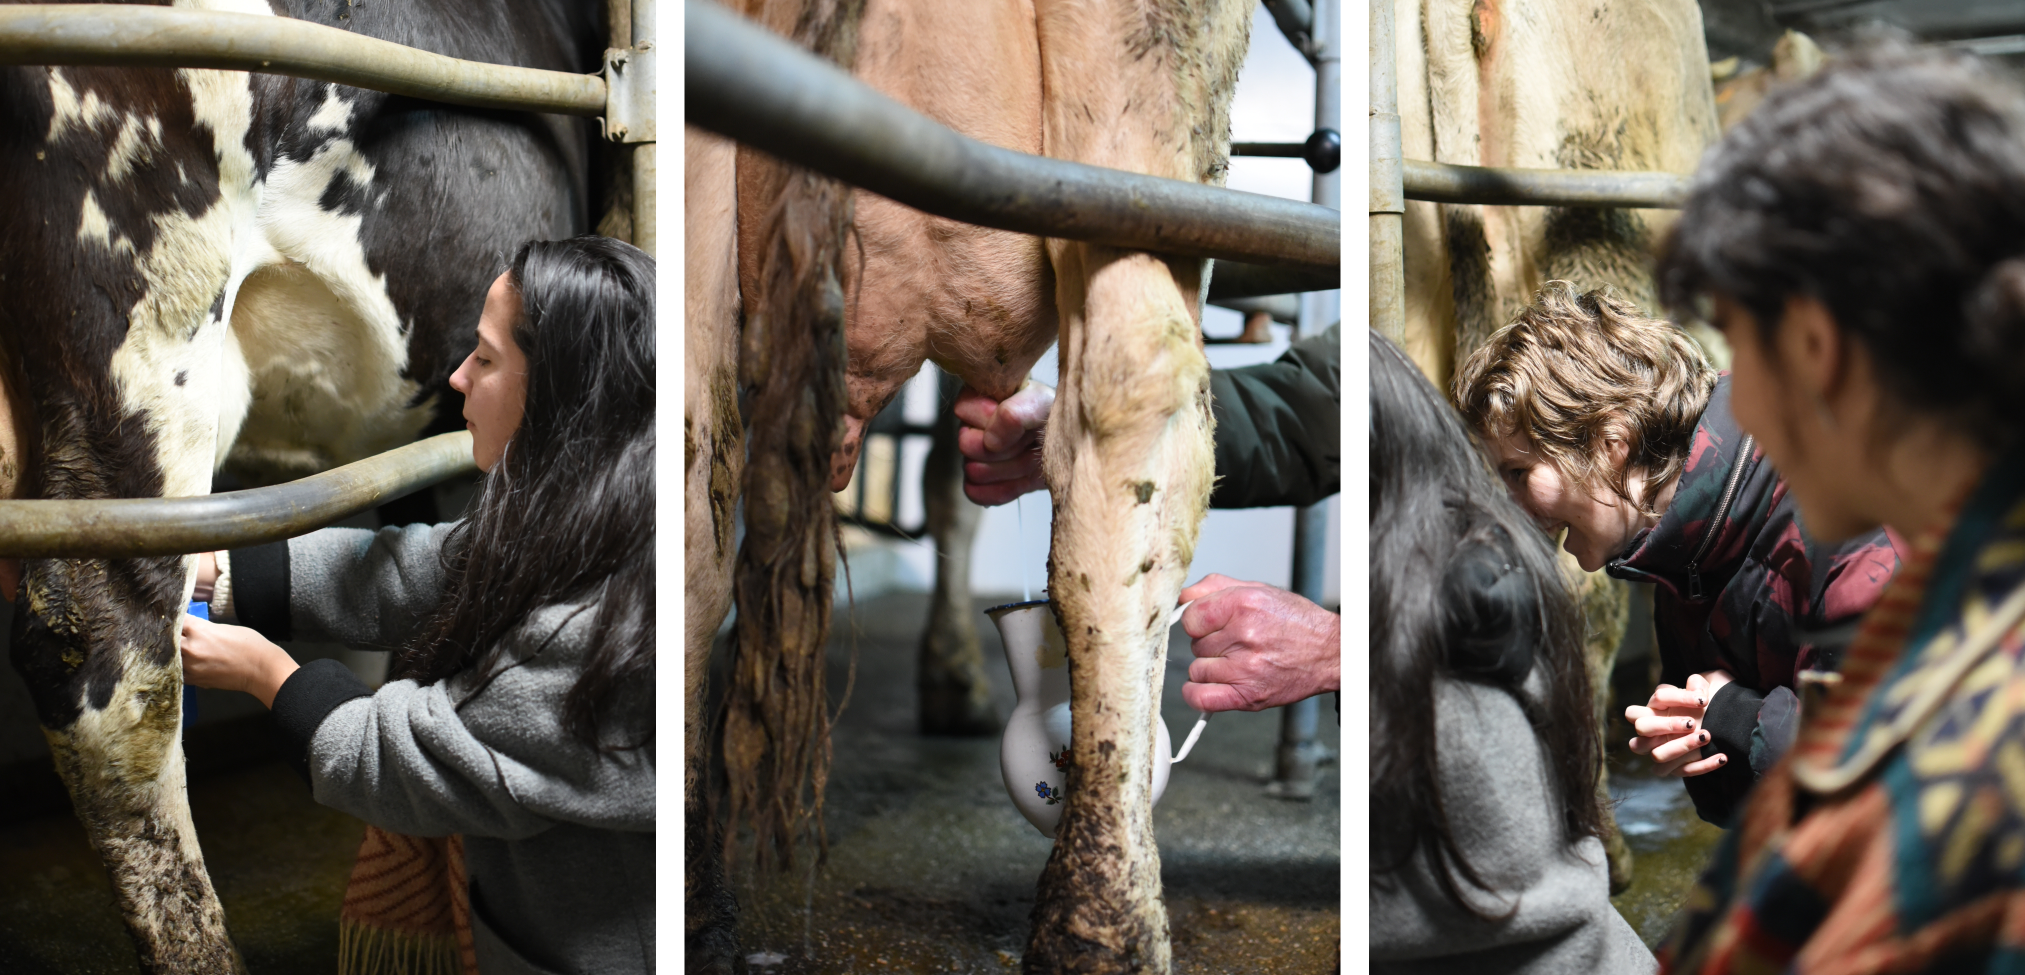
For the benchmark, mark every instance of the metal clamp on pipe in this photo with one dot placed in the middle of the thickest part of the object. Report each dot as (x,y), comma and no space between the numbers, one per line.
(629,114)
(749,85)
(126,528)
(134,35)
(1444,183)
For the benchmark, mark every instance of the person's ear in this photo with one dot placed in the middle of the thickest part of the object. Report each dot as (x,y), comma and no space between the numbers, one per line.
(1814,352)
(1617,450)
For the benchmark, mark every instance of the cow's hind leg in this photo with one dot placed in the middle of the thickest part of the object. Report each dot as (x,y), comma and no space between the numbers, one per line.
(1606,614)
(955,693)
(1130,464)
(714,458)
(1144,87)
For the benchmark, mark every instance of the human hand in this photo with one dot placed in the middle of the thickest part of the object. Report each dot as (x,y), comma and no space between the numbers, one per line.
(1257,646)
(1001,442)
(233,658)
(1671,727)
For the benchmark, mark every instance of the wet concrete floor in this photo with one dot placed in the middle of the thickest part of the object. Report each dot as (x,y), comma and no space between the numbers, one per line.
(278,859)
(1670,845)
(932,870)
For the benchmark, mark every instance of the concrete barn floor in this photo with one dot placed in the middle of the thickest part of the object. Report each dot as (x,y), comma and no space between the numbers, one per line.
(1670,845)
(278,859)
(932,870)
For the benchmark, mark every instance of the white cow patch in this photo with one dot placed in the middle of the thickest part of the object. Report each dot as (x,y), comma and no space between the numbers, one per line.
(68,110)
(333,115)
(317,332)
(132,147)
(93,227)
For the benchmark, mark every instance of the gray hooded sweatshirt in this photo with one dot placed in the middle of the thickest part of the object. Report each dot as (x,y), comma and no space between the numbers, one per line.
(1497,788)
(558,836)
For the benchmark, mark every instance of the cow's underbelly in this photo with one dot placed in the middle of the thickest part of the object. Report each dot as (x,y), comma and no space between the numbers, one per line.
(315,358)
(321,384)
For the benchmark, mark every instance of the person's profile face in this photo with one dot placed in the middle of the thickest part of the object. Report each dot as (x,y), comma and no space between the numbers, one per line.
(493,378)
(1599,528)
(1771,406)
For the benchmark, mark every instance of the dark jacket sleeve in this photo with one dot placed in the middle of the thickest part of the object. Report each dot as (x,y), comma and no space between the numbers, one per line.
(1754,728)
(1731,718)
(1277,427)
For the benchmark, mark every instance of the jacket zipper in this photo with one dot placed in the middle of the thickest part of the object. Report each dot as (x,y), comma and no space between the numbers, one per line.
(1744,448)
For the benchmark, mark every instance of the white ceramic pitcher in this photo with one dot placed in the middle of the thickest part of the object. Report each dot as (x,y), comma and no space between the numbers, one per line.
(1033,754)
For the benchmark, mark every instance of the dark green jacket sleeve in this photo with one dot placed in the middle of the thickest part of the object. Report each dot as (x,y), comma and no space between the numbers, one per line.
(1278,426)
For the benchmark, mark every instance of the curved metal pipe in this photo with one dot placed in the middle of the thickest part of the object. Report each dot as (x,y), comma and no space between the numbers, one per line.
(131,34)
(126,528)
(1444,183)
(748,85)
(1229,279)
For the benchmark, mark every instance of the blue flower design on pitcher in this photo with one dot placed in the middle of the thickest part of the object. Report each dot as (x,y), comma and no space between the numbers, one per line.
(1052,795)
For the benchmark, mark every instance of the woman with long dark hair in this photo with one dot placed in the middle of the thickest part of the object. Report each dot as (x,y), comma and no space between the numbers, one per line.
(519,710)
(1485,846)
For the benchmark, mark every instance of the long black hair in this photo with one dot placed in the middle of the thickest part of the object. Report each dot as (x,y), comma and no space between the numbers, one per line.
(567,515)
(1435,504)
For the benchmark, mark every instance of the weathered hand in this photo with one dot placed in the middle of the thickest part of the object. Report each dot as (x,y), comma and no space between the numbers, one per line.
(233,658)
(1001,442)
(1257,646)
(1670,726)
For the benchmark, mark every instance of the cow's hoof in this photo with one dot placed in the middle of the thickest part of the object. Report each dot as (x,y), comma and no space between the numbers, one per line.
(956,712)
(1619,856)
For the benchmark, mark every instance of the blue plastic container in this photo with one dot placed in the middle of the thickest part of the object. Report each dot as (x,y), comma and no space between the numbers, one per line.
(201,611)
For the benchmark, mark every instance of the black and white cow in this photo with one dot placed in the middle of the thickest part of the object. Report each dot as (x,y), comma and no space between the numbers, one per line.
(207,268)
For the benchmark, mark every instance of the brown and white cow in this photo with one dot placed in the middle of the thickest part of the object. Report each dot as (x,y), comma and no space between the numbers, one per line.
(1542,84)
(1142,87)
(207,268)
(1545,84)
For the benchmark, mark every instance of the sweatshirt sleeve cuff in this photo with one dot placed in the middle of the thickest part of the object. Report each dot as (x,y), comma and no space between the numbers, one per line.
(221,591)
(306,698)
(260,589)
(1730,719)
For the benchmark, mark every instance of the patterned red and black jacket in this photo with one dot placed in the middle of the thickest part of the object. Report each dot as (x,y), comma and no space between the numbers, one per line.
(1739,586)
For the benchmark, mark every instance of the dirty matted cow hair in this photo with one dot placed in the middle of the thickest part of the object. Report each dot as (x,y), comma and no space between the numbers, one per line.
(776,719)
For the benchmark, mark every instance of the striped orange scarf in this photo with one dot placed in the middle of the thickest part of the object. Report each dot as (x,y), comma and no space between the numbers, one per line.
(407,909)
(1888,839)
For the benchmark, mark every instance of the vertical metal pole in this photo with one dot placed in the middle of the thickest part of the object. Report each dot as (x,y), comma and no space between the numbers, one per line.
(1298,753)
(1388,196)
(644,153)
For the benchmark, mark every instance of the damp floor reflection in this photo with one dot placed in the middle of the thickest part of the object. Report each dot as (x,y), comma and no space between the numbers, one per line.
(932,870)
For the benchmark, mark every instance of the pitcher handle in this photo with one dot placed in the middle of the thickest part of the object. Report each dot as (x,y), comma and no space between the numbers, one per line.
(1193,734)
(1201,722)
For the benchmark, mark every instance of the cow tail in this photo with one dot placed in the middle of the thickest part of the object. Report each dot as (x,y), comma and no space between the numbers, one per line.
(777,716)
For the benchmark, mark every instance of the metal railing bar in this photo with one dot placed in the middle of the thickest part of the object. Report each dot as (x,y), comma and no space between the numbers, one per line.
(1445,183)
(1230,279)
(126,528)
(1279,149)
(749,85)
(147,36)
